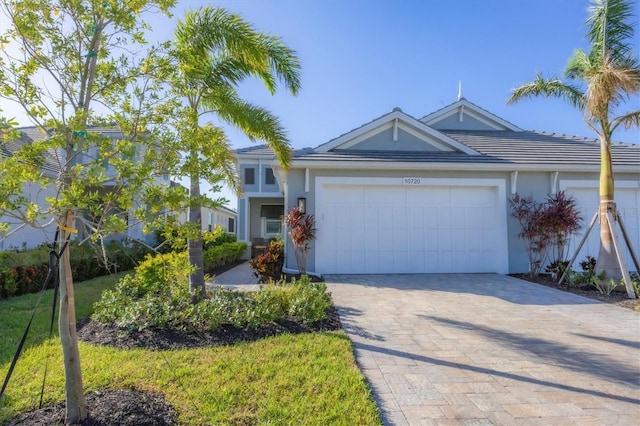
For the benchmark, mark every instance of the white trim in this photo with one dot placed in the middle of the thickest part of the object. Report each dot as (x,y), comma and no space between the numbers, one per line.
(306,180)
(395,130)
(387,119)
(476,112)
(514,183)
(406,165)
(259,175)
(263,195)
(247,217)
(461,115)
(499,184)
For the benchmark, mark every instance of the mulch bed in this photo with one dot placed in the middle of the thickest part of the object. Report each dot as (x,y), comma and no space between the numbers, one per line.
(136,408)
(167,339)
(617,297)
(108,408)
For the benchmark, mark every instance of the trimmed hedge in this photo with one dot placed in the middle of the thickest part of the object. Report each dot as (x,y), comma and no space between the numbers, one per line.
(223,254)
(25,272)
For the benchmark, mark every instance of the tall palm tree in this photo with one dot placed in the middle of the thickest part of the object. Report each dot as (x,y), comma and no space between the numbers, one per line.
(597,83)
(216,50)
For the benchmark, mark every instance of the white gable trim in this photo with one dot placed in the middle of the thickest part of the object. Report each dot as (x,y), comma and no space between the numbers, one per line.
(404,120)
(473,111)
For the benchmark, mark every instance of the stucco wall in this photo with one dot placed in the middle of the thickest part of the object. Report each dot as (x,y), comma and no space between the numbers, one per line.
(452,122)
(28,236)
(536,184)
(383,141)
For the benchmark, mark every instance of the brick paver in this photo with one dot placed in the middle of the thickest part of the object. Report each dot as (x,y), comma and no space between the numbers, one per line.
(485,349)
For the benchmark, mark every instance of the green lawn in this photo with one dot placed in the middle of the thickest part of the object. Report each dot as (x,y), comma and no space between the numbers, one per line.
(289,379)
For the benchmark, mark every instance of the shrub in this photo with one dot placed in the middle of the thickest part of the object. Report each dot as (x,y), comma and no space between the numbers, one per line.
(268,265)
(546,228)
(301,231)
(157,295)
(220,255)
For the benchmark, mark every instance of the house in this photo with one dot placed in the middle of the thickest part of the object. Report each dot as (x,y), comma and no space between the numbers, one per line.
(223,217)
(20,236)
(429,195)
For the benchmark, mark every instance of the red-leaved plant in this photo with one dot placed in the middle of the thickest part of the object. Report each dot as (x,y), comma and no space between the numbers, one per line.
(301,231)
(546,228)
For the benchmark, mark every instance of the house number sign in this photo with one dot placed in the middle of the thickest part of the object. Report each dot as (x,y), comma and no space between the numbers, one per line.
(411,181)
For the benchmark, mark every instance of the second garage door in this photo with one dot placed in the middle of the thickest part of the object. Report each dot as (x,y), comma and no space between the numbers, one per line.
(400,225)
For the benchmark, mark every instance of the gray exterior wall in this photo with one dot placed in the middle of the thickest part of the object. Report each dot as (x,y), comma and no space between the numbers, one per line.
(255,186)
(452,122)
(383,141)
(263,176)
(536,184)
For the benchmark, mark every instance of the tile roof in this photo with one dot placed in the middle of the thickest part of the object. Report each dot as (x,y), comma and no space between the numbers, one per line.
(497,147)
(27,136)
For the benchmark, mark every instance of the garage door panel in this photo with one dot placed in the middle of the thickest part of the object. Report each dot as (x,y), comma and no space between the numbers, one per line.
(397,229)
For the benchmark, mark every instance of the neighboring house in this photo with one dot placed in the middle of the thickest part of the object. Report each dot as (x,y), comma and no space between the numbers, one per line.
(27,236)
(223,217)
(406,195)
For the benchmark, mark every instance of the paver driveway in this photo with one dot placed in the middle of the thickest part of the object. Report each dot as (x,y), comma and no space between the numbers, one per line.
(488,349)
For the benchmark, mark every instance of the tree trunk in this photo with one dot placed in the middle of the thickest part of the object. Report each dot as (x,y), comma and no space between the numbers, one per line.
(76,405)
(196,279)
(607,260)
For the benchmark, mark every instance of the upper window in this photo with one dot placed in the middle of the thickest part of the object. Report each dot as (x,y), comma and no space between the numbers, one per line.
(269,178)
(249,176)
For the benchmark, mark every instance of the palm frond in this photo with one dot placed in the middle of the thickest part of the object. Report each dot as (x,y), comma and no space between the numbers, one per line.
(628,120)
(608,86)
(578,65)
(609,29)
(217,151)
(255,122)
(224,39)
(552,87)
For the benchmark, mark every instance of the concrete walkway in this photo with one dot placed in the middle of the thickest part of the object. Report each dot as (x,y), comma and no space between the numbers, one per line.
(239,278)
(456,349)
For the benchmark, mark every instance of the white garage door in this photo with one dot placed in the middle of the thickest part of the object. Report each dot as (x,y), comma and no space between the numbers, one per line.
(627,196)
(431,225)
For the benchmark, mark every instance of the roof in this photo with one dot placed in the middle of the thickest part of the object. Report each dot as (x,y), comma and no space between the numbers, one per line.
(495,147)
(28,135)
(506,145)
(462,103)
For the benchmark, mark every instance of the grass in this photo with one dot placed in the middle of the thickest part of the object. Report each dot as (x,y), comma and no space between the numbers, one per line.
(290,379)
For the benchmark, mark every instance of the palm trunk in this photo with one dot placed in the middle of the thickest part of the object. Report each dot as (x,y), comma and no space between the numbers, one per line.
(607,260)
(196,279)
(76,405)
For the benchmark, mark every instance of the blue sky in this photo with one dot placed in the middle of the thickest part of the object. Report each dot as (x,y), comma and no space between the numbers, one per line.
(362,58)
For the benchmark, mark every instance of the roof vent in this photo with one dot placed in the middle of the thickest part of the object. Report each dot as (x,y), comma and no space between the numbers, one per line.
(397,109)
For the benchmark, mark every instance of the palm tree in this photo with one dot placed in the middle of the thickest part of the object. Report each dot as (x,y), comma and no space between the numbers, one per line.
(216,50)
(599,81)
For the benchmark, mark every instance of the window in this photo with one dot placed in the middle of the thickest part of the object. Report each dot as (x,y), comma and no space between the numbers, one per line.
(249,176)
(269,178)
(271,218)
(231,225)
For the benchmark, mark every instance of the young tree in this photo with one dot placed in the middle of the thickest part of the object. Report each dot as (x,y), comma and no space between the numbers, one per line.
(215,51)
(599,81)
(59,60)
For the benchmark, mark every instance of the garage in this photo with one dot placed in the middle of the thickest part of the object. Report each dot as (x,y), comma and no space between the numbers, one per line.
(410,225)
(627,196)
